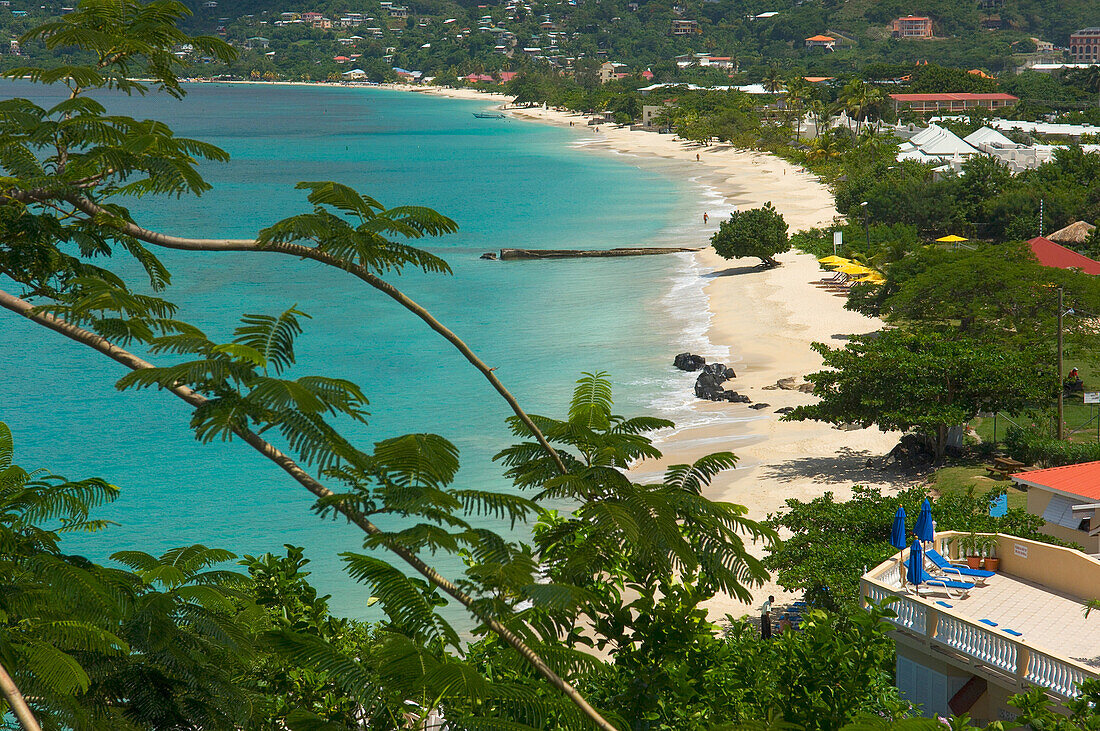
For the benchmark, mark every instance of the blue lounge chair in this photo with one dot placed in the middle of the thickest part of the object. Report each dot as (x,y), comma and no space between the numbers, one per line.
(963,587)
(990,622)
(1012,632)
(946,567)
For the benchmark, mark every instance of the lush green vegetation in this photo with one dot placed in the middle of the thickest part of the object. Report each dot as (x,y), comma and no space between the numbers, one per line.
(831,542)
(182,641)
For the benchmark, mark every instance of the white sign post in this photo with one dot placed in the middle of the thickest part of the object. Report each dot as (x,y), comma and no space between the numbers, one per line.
(838,241)
(1091,397)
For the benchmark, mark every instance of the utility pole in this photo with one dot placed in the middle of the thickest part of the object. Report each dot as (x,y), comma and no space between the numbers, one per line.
(1041,216)
(1061,383)
(867,225)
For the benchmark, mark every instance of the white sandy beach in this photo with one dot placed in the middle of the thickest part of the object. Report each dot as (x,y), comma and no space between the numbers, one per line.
(768,319)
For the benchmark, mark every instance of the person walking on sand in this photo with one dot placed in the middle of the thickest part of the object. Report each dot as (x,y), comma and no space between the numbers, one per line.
(705,218)
(766,619)
(697,157)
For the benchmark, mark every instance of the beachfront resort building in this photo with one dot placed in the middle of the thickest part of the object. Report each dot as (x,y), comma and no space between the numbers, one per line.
(911,26)
(1067,498)
(1084,45)
(1022,627)
(929,103)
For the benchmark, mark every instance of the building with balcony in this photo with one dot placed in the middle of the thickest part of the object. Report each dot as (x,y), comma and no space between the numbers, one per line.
(1067,498)
(911,26)
(1084,45)
(827,43)
(1024,627)
(685,28)
(929,103)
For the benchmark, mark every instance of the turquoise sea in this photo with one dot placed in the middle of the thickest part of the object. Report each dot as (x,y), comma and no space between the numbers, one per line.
(507,183)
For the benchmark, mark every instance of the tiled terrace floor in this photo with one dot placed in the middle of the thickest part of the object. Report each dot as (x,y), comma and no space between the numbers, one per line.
(1048,620)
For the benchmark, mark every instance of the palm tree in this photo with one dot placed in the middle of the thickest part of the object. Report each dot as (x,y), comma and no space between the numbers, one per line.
(773,80)
(861,101)
(825,147)
(798,93)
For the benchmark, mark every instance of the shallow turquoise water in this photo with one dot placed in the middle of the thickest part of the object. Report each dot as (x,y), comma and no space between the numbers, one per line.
(506,183)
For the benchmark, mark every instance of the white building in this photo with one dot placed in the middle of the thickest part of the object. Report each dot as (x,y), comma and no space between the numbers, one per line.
(1024,627)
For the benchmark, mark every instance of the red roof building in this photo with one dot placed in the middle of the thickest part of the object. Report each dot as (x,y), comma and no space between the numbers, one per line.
(506,76)
(1068,499)
(1055,255)
(927,103)
(647,75)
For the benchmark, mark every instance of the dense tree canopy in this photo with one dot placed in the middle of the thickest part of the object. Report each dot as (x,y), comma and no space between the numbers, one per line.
(757,232)
(900,380)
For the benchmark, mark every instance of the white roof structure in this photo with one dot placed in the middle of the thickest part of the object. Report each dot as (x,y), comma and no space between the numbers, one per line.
(987,136)
(938,142)
(1046,128)
(1049,68)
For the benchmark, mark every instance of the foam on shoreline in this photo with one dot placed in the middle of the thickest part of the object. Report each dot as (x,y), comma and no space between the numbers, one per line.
(761,322)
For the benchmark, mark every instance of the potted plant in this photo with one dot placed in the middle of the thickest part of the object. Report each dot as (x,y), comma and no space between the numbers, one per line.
(988,547)
(970,548)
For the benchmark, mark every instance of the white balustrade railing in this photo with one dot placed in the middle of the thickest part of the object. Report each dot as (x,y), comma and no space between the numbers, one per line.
(975,641)
(994,649)
(891,576)
(1049,672)
(911,616)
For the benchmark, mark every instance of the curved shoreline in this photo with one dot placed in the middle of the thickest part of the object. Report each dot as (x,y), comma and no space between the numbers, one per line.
(767,319)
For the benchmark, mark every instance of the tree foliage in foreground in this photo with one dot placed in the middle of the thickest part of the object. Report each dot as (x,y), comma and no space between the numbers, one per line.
(68,244)
(757,232)
(919,380)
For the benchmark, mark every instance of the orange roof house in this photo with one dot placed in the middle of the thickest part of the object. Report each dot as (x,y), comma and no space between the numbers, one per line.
(820,41)
(911,26)
(1068,499)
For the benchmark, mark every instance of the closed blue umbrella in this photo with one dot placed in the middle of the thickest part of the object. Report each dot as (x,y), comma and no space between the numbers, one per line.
(897,533)
(914,567)
(897,539)
(923,528)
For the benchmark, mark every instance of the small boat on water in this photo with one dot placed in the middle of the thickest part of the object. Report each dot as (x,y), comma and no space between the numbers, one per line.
(488,115)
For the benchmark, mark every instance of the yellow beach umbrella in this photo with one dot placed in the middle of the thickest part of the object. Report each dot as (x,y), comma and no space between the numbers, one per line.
(832,260)
(872,279)
(855,269)
(951,239)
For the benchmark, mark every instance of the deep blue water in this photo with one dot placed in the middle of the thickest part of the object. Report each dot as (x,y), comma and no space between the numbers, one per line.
(507,183)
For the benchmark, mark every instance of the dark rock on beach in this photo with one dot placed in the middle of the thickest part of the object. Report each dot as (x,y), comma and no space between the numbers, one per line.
(689,362)
(709,384)
(489,255)
(759,406)
(784,410)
